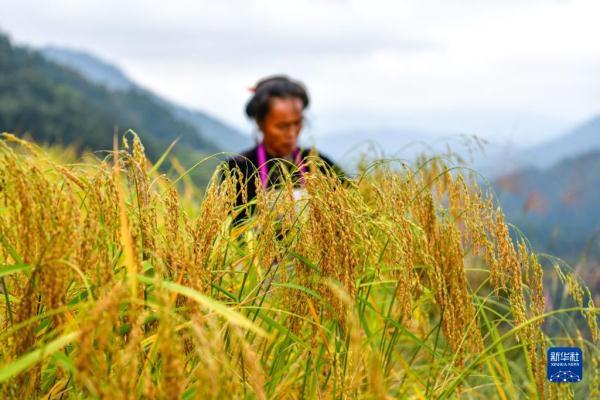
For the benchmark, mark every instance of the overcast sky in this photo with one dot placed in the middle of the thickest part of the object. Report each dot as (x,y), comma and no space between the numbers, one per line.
(493,67)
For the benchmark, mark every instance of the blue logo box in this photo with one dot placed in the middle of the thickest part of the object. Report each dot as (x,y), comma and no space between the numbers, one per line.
(565,364)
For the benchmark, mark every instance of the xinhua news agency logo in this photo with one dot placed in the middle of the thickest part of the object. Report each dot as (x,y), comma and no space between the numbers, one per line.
(565,364)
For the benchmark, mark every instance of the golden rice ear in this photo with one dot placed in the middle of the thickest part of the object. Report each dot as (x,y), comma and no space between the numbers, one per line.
(407,284)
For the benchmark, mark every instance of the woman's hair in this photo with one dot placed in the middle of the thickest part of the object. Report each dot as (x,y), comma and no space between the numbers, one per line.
(274,86)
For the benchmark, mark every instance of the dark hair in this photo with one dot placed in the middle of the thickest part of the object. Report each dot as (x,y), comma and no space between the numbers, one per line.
(274,86)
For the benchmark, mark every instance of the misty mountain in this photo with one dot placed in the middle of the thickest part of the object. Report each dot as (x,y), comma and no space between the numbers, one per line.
(89,66)
(101,72)
(581,139)
(54,104)
(488,157)
(557,207)
(346,147)
(58,105)
(406,144)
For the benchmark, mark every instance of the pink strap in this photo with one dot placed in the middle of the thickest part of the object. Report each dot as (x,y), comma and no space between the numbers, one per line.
(263,168)
(262,164)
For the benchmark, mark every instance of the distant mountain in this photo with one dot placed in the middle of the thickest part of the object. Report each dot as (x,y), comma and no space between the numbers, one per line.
(89,66)
(579,140)
(56,105)
(493,159)
(347,146)
(406,144)
(558,207)
(110,76)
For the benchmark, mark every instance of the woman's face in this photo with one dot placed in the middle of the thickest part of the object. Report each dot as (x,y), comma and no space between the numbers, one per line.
(282,125)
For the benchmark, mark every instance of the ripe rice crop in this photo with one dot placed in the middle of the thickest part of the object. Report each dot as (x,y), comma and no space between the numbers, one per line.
(404,282)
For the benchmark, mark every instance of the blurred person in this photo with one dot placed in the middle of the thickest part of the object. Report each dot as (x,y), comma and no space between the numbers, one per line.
(277,106)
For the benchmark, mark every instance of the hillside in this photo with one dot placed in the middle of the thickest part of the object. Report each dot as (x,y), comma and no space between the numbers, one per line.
(110,76)
(579,140)
(56,105)
(557,208)
(91,67)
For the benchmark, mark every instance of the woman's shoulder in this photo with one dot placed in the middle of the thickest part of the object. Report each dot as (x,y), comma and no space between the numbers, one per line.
(313,152)
(244,162)
(242,158)
(329,163)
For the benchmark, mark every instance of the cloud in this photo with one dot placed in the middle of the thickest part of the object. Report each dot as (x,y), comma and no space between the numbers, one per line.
(387,59)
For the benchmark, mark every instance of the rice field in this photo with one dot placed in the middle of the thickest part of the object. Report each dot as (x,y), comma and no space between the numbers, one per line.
(121,281)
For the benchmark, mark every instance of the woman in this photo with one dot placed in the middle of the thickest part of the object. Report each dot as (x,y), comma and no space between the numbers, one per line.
(277,107)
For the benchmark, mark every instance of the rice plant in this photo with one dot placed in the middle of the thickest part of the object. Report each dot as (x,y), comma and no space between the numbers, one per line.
(119,281)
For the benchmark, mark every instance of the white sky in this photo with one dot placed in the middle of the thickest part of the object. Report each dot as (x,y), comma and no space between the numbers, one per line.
(499,67)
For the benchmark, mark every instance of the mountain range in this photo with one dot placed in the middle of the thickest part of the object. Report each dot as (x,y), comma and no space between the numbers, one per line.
(579,140)
(55,103)
(491,159)
(558,207)
(100,72)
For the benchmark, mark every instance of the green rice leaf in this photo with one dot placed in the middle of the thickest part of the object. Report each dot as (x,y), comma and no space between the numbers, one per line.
(230,315)
(30,359)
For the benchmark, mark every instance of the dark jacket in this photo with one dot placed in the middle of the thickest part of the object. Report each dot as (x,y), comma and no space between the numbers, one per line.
(247,162)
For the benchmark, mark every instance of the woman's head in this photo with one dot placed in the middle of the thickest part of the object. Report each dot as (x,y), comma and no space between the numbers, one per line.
(277,107)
